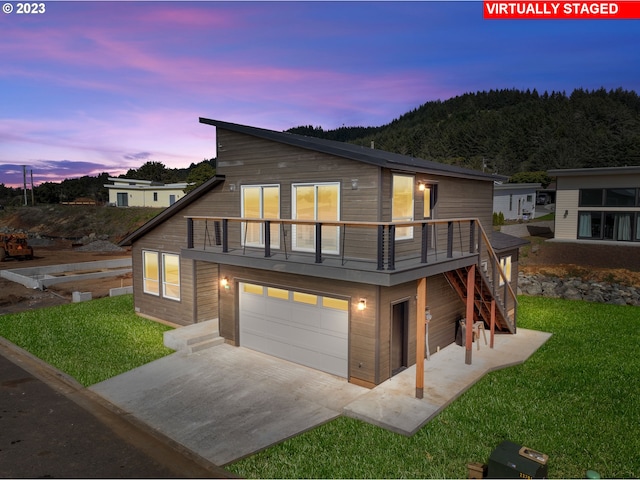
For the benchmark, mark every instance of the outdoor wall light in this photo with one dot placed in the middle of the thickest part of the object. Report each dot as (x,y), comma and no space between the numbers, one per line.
(224,282)
(232,187)
(354,184)
(566,212)
(427,314)
(421,186)
(362,304)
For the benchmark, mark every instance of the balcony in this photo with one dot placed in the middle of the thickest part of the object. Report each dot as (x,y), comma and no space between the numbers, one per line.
(369,252)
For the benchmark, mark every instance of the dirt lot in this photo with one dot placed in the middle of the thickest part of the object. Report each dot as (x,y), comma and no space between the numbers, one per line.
(591,262)
(15,297)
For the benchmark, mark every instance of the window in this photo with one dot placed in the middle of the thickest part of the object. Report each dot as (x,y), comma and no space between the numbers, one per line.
(260,201)
(150,273)
(253,289)
(591,197)
(620,197)
(589,225)
(427,201)
(617,226)
(402,204)
(278,293)
(171,276)
(505,264)
(305,298)
(155,196)
(529,198)
(316,202)
(336,303)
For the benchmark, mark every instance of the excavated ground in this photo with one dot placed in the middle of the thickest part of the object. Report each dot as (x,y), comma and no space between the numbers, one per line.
(16,298)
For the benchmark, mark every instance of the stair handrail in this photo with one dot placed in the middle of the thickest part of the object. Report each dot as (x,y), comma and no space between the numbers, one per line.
(496,262)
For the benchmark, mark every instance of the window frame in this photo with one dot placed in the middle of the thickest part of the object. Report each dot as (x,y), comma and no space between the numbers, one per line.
(403,233)
(165,282)
(506,263)
(295,245)
(275,229)
(145,278)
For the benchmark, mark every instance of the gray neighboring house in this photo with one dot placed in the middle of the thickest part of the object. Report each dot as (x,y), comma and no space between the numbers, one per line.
(598,204)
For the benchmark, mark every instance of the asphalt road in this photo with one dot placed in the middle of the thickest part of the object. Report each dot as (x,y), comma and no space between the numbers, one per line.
(51,427)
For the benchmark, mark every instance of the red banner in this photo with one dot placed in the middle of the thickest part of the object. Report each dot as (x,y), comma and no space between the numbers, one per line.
(564,10)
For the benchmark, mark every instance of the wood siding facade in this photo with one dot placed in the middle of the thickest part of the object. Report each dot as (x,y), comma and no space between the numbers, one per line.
(365,195)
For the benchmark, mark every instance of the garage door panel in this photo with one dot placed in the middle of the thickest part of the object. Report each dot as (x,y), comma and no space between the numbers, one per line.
(307,334)
(334,320)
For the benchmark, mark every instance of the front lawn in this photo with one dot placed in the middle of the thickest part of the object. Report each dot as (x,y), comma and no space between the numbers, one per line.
(91,341)
(577,399)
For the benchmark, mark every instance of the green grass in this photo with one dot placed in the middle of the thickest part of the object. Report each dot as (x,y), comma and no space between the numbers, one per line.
(577,399)
(90,341)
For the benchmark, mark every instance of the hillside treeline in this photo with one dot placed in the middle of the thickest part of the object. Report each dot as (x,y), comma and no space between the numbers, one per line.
(511,131)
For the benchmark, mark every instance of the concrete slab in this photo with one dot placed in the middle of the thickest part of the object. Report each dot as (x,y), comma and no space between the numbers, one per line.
(392,404)
(226,402)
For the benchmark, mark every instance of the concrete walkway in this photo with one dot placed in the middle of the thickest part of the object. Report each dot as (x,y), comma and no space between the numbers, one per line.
(225,403)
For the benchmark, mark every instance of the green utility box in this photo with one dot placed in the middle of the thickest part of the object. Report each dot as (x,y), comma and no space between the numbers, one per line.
(510,460)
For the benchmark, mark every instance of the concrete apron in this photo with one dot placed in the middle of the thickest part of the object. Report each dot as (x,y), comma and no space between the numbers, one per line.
(225,403)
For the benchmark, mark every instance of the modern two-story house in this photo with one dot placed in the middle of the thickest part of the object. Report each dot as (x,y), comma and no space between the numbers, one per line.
(329,254)
(598,204)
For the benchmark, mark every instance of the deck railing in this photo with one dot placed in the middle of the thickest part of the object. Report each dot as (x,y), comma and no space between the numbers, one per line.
(374,243)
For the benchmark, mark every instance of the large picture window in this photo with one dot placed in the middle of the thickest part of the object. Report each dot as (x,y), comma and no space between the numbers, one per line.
(316,202)
(402,204)
(150,273)
(171,276)
(618,226)
(260,201)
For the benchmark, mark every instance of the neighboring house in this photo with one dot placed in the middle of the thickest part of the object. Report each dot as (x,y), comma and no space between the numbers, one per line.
(328,254)
(598,204)
(516,201)
(129,192)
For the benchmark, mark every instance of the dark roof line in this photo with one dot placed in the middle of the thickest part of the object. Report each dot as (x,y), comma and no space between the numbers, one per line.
(356,152)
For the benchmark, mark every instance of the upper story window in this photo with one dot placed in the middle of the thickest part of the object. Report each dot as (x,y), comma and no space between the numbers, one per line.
(608,197)
(150,273)
(260,201)
(315,201)
(171,276)
(402,204)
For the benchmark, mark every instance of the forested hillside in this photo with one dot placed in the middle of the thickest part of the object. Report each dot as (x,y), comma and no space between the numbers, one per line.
(511,131)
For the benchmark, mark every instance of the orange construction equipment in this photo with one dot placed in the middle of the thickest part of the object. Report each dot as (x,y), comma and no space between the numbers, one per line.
(15,245)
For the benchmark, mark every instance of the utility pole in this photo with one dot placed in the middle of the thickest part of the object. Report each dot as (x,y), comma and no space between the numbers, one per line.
(24,179)
(33,198)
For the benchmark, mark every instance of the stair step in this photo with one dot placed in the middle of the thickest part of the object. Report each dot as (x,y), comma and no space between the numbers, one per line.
(204,345)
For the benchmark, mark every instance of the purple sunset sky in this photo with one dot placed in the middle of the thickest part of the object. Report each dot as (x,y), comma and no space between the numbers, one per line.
(91,87)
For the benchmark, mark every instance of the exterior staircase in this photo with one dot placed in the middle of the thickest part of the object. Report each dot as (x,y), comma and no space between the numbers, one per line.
(194,338)
(484,293)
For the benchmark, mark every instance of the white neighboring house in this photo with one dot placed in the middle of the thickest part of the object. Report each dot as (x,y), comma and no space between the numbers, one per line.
(129,192)
(516,201)
(598,204)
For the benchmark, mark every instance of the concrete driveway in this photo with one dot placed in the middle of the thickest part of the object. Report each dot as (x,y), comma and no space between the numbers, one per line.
(225,402)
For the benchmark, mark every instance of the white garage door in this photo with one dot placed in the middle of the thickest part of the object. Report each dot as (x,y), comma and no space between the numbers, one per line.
(308,329)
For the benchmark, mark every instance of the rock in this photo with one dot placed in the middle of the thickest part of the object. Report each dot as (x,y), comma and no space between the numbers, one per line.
(577,289)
